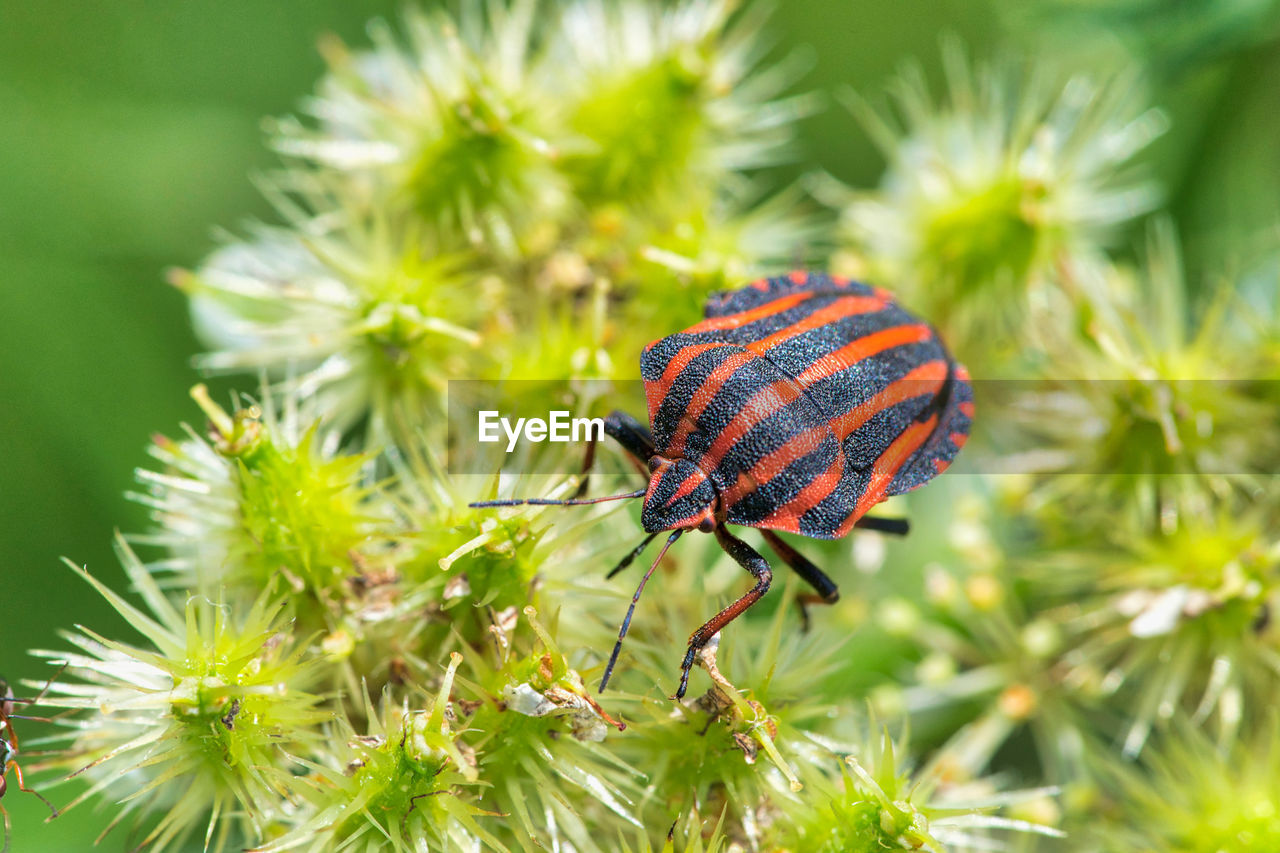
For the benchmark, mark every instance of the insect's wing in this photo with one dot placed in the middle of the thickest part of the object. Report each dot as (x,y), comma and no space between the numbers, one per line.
(955,418)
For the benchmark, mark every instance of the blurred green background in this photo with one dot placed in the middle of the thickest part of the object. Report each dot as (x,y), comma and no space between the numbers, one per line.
(129,132)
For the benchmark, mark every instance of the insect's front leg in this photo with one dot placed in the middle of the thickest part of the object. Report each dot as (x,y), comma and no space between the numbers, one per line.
(749,559)
(635,439)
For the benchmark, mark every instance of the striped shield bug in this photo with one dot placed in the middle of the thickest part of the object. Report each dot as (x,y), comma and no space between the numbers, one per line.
(795,406)
(9,747)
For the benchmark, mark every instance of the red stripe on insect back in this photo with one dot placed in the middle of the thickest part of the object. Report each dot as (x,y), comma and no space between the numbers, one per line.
(742,318)
(798,277)
(768,401)
(674,367)
(814,493)
(884,469)
(703,397)
(959,438)
(925,379)
(774,463)
(863,348)
(845,306)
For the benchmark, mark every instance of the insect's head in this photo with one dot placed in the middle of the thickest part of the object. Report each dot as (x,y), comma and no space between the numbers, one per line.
(679,496)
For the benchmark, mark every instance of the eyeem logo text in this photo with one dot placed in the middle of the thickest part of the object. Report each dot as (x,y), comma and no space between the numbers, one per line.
(558,427)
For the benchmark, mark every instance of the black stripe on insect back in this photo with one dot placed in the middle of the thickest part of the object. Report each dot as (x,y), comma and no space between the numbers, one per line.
(697,382)
(757,500)
(847,391)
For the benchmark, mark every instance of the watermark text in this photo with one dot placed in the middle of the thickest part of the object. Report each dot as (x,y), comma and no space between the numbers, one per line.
(557,427)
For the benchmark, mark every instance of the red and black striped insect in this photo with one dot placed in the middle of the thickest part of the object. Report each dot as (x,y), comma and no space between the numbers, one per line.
(9,747)
(797,405)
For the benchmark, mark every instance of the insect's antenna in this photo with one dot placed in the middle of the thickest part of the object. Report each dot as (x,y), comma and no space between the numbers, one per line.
(626,623)
(34,700)
(639,493)
(627,560)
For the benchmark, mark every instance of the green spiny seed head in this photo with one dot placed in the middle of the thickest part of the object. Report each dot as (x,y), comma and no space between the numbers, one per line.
(991,649)
(538,737)
(408,782)
(454,127)
(1015,172)
(196,724)
(878,804)
(1161,400)
(645,126)
(985,235)
(1198,796)
(1197,601)
(359,320)
(484,562)
(666,101)
(256,500)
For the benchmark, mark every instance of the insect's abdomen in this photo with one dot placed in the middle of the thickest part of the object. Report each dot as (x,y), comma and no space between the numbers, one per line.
(870,404)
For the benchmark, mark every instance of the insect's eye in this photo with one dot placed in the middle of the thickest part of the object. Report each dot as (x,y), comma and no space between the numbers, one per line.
(655,462)
(707,524)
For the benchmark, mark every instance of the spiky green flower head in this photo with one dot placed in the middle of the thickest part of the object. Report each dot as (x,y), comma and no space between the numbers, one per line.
(479,566)
(457,126)
(197,725)
(407,784)
(537,733)
(690,834)
(722,246)
(1015,171)
(1160,413)
(742,744)
(989,662)
(1198,796)
(358,319)
(672,108)
(261,497)
(879,803)
(670,103)
(1180,622)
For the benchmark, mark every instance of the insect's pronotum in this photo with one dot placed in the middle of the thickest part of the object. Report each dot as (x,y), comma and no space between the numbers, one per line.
(797,405)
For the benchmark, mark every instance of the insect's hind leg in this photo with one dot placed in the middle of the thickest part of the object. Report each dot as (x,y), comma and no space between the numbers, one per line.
(635,439)
(747,557)
(825,589)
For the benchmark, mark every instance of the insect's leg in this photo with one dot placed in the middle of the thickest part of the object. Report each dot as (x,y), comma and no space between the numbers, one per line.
(12,738)
(588,459)
(825,590)
(22,786)
(749,559)
(635,439)
(895,526)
